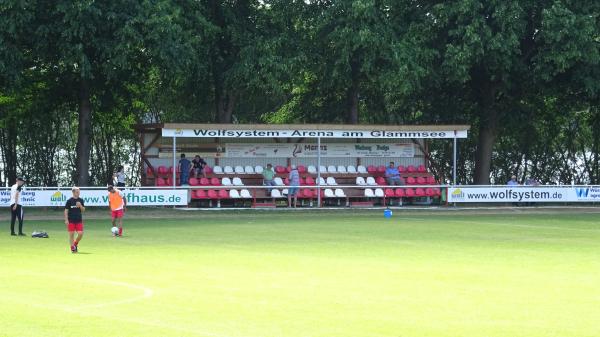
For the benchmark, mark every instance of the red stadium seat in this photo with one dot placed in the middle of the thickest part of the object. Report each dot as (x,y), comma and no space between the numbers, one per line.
(212,194)
(389,193)
(431,180)
(400,192)
(205,181)
(302,181)
(310,181)
(307,193)
(381,169)
(280,169)
(301,169)
(286,182)
(421,181)
(148,171)
(223,194)
(437,192)
(194,182)
(421,169)
(429,192)
(161,181)
(409,192)
(215,182)
(170,182)
(411,181)
(200,194)
(380,181)
(171,170)
(411,169)
(163,170)
(420,192)
(401,169)
(371,169)
(208,169)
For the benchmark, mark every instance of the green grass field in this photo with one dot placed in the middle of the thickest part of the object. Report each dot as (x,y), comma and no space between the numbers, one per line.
(331,273)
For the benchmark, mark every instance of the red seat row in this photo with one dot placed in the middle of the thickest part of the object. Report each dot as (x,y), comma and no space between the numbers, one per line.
(410,193)
(282,169)
(210,194)
(402,169)
(410,181)
(163,170)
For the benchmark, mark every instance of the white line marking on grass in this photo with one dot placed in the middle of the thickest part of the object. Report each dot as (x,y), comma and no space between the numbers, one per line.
(147,293)
(87,310)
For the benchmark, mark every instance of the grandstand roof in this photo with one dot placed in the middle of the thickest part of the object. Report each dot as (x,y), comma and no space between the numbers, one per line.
(340,127)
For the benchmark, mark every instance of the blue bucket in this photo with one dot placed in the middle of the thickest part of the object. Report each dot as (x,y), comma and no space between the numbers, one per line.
(387,213)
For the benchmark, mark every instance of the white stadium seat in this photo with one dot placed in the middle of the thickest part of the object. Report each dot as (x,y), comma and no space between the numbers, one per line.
(361,169)
(379,192)
(329,193)
(258,169)
(331,169)
(339,193)
(341,169)
(217,170)
(331,181)
(228,170)
(226,182)
(249,169)
(234,194)
(360,181)
(351,169)
(275,194)
(278,181)
(322,181)
(371,181)
(285,192)
(323,169)
(311,169)
(245,194)
(369,193)
(239,170)
(237,182)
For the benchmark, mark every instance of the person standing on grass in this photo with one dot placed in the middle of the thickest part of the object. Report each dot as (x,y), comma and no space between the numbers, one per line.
(294,178)
(117,204)
(119,176)
(74,218)
(16,210)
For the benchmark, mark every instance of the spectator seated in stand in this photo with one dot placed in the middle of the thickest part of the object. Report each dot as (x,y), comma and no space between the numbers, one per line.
(392,175)
(268,177)
(198,165)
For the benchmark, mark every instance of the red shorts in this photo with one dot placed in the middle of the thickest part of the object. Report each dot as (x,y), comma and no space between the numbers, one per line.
(117,214)
(75,227)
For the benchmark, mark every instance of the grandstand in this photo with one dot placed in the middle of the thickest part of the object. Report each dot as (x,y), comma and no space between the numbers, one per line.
(341,165)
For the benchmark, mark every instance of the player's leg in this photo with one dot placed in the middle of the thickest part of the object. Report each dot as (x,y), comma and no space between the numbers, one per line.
(289,199)
(20,217)
(78,238)
(13,218)
(121,224)
(72,239)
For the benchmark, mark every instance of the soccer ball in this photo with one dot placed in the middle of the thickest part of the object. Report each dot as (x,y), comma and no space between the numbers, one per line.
(115,230)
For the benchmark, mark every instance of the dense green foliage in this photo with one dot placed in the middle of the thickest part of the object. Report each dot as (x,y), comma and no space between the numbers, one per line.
(525,74)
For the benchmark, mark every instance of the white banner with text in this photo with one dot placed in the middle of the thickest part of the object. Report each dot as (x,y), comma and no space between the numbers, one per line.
(524,194)
(330,150)
(48,198)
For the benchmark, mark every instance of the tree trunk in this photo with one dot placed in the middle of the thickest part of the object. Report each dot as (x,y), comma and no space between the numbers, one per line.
(84,134)
(225,105)
(8,141)
(488,121)
(352,93)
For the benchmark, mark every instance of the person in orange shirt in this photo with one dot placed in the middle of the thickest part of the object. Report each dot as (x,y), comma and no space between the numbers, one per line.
(117,203)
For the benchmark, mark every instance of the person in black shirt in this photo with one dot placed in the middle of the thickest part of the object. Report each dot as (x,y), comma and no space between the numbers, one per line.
(74,219)
(199,165)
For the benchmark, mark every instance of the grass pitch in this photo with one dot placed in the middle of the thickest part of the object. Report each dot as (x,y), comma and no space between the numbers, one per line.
(290,274)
